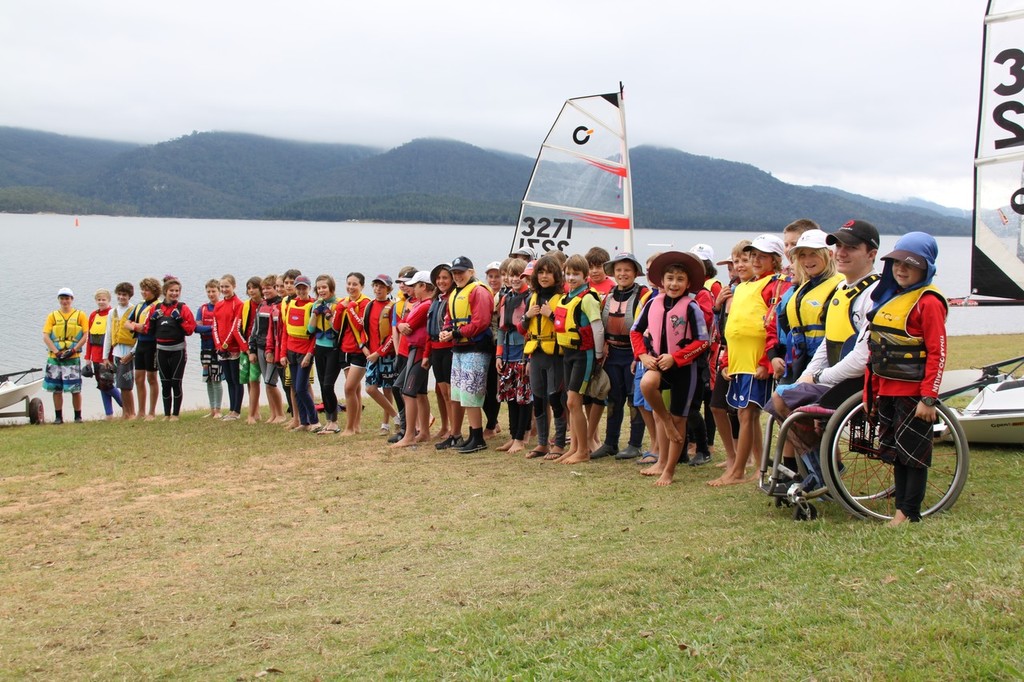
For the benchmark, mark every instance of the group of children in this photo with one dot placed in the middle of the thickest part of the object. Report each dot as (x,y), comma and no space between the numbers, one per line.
(559,339)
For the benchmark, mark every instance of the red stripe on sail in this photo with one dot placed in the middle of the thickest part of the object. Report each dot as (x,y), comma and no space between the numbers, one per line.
(618,223)
(608,168)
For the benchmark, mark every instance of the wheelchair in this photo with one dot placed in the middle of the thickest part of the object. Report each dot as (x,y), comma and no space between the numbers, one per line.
(846,467)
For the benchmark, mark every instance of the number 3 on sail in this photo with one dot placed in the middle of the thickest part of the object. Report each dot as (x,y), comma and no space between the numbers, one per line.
(581,176)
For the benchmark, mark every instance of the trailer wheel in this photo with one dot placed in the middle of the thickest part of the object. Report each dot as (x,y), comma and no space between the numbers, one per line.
(36,413)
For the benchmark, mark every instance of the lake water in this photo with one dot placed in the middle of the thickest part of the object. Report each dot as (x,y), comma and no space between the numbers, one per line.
(45,252)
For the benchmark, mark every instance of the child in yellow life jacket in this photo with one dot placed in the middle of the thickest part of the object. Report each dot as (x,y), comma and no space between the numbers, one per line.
(98,322)
(671,340)
(907,350)
(64,334)
(546,377)
(579,333)
(119,347)
(751,332)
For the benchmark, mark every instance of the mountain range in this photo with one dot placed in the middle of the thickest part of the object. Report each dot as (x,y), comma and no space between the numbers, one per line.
(235,175)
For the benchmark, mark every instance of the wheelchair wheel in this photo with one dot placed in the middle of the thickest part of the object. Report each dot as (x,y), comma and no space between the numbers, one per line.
(863,484)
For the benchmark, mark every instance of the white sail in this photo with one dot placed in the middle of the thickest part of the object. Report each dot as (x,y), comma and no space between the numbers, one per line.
(581,177)
(998,259)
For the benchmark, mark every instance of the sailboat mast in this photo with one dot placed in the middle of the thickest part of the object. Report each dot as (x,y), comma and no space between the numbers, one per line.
(627,199)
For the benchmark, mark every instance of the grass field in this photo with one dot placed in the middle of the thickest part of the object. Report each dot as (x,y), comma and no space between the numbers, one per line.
(202,550)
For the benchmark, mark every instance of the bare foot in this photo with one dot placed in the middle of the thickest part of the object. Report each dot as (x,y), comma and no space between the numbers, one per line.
(251,420)
(898,519)
(404,443)
(653,470)
(150,417)
(576,458)
(517,446)
(349,432)
(664,480)
(504,446)
(727,479)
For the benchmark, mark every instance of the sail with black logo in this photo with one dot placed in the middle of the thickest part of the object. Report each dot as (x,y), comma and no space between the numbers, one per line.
(997,266)
(581,178)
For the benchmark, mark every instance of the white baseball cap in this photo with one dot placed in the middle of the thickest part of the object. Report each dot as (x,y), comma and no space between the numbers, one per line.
(812,239)
(421,277)
(493,265)
(65,291)
(703,251)
(767,243)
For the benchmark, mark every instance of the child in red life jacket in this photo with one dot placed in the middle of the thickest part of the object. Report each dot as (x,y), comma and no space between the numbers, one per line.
(263,339)
(229,344)
(670,339)
(99,319)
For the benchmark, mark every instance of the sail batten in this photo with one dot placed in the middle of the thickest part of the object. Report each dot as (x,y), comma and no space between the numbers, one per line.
(581,177)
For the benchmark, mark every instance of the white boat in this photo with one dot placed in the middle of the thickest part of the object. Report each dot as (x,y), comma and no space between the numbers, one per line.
(581,177)
(13,394)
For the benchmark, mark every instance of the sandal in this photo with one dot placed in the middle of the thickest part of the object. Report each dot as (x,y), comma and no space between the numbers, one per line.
(535,453)
(648,458)
(324,430)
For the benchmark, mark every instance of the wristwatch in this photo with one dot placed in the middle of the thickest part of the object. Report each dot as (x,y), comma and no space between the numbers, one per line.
(817,376)
(929,401)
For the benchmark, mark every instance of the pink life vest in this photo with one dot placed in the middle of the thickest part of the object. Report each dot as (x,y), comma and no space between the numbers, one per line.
(679,331)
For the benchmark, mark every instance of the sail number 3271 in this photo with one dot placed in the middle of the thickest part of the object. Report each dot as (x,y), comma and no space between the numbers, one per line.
(544,233)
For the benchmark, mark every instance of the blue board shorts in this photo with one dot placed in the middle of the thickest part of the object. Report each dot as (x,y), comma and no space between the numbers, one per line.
(745,390)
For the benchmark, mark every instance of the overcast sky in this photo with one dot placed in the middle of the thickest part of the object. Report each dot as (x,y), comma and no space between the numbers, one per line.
(877,97)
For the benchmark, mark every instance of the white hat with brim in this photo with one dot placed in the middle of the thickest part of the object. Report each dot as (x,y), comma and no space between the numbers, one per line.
(609,267)
(65,291)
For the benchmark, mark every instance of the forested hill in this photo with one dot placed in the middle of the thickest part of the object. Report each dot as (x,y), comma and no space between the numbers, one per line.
(233,175)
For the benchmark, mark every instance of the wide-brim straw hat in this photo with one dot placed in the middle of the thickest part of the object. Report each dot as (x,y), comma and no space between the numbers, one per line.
(695,271)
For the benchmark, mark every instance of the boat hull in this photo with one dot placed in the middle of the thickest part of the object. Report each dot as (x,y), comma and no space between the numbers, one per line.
(996,415)
(12,393)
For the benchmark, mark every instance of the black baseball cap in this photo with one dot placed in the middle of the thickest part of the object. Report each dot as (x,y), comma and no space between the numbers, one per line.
(461,263)
(854,233)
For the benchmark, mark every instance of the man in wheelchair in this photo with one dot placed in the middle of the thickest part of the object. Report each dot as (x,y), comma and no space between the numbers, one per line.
(837,366)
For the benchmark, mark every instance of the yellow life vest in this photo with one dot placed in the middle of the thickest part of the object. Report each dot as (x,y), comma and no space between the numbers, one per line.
(840,332)
(460,310)
(65,332)
(540,330)
(568,318)
(98,329)
(805,311)
(745,331)
(297,319)
(893,352)
(119,332)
